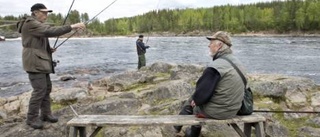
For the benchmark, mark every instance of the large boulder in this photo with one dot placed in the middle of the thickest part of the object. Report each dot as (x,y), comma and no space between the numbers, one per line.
(279,85)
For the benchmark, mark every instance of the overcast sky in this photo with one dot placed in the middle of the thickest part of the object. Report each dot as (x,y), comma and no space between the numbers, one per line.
(121,8)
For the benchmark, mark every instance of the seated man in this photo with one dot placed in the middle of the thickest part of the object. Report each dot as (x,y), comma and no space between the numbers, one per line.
(219,91)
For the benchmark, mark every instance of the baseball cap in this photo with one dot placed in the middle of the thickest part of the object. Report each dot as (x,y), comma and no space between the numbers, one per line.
(40,7)
(221,36)
(140,36)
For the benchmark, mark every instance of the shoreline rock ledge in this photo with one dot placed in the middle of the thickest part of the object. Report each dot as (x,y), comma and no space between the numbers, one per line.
(161,89)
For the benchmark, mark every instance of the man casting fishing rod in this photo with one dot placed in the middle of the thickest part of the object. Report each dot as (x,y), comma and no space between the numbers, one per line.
(37,61)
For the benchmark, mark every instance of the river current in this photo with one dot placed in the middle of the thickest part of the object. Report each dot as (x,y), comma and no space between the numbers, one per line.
(94,58)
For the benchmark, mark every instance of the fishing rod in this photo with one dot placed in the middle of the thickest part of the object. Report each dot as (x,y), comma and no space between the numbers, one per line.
(152,23)
(64,22)
(284,111)
(86,23)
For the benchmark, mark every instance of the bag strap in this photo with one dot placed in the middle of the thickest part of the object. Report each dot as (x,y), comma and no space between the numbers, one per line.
(140,47)
(237,69)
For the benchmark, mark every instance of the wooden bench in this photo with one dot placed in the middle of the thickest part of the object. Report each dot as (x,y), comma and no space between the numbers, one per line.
(80,122)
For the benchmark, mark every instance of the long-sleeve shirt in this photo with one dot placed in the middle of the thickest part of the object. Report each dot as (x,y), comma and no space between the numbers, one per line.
(205,86)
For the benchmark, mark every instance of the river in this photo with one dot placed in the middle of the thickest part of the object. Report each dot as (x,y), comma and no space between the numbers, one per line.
(94,58)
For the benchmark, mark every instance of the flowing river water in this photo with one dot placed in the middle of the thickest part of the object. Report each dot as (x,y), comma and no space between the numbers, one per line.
(93,58)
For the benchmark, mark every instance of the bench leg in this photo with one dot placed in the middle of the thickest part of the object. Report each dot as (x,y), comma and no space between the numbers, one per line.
(67,131)
(259,129)
(75,131)
(247,129)
(95,132)
(238,130)
(82,131)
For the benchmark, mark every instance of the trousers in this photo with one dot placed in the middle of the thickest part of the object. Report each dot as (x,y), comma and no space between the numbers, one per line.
(187,109)
(40,97)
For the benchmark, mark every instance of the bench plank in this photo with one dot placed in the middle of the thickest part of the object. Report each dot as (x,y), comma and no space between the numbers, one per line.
(80,122)
(151,120)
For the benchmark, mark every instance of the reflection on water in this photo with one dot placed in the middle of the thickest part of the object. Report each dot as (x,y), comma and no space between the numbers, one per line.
(93,58)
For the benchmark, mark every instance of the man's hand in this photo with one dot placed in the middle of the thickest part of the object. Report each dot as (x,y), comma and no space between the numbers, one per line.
(53,50)
(193,104)
(78,26)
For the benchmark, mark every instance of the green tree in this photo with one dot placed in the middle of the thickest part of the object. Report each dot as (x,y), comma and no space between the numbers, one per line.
(96,27)
(122,27)
(313,14)
(267,19)
(300,21)
(84,17)
(74,16)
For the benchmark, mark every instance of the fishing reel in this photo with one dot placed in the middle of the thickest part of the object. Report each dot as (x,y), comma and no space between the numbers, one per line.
(55,63)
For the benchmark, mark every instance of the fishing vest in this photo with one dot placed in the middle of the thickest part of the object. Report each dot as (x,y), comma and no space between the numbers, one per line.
(228,95)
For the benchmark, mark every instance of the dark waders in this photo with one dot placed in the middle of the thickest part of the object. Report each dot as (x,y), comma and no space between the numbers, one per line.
(142,61)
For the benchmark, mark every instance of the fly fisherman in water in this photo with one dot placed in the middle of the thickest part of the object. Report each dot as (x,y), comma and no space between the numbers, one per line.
(37,61)
(141,50)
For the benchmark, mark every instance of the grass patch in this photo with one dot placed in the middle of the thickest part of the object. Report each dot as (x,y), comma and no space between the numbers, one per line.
(257,97)
(313,125)
(163,101)
(100,98)
(156,112)
(270,102)
(193,83)
(163,75)
(291,124)
(165,104)
(277,99)
(134,128)
(56,106)
(274,103)
(265,103)
(138,87)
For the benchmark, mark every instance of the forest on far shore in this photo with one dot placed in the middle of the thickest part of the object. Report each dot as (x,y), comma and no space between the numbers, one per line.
(276,16)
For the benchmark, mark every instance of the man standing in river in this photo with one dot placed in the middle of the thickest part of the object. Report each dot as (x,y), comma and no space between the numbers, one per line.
(37,61)
(141,50)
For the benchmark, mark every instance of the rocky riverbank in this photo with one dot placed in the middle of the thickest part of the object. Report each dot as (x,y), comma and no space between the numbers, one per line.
(161,89)
(9,34)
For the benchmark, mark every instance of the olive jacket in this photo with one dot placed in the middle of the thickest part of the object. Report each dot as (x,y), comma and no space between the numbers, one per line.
(37,54)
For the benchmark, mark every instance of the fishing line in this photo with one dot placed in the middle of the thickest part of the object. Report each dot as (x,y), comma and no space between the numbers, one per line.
(288,111)
(64,22)
(74,111)
(86,23)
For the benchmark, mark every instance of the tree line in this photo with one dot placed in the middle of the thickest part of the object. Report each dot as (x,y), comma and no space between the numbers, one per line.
(277,16)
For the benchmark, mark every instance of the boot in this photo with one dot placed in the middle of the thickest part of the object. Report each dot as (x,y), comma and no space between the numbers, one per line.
(194,131)
(187,110)
(36,123)
(50,118)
